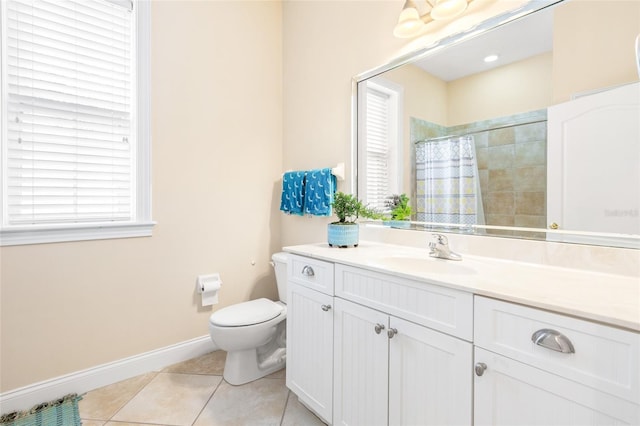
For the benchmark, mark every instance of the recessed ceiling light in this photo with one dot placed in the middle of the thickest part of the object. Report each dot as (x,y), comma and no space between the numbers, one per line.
(491,58)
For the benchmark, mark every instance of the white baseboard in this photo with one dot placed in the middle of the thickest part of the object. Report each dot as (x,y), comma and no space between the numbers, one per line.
(83,381)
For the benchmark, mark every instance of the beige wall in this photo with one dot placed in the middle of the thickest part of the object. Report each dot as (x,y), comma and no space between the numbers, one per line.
(217,157)
(426,99)
(327,43)
(591,55)
(514,88)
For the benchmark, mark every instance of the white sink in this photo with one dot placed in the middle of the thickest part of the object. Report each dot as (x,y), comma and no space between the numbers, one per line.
(426,264)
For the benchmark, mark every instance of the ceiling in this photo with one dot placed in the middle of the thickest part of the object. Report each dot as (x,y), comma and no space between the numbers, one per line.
(512,42)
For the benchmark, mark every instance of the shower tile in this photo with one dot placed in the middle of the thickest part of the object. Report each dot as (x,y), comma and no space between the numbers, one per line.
(481,139)
(531,178)
(103,403)
(531,154)
(502,137)
(170,399)
(499,220)
(484,181)
(297,414)
(530,221)
(500,203)
(482,154)
(501,157)
(531,132)
(261,402)
(530,203)
(211,363)
(501,180)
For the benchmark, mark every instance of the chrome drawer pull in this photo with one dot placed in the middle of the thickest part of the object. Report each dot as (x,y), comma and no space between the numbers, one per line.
(378,328)
(554,340)
(325,307)
(308,271)
(391,332)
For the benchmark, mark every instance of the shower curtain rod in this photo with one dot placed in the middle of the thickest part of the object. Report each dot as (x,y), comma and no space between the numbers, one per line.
(504,126)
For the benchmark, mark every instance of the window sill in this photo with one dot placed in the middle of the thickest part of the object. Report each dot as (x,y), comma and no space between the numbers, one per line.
(22,236)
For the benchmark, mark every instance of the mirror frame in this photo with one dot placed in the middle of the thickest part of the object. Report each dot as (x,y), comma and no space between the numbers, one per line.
(487,25)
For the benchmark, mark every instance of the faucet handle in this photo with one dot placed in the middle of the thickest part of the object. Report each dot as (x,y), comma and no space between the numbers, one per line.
(438,239)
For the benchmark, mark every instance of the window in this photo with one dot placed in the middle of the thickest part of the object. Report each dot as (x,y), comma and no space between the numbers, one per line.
(379,141)
(75,121)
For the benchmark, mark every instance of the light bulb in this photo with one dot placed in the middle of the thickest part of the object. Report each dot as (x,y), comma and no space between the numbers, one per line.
(409,22)
(447,9)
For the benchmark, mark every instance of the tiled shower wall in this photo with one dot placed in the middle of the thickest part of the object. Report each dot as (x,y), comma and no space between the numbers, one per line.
(511,163)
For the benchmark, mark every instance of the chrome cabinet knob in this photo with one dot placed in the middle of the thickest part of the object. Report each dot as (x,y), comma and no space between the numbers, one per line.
(391,332)
(326,307)
(308,271)
(378,328)
(480,368)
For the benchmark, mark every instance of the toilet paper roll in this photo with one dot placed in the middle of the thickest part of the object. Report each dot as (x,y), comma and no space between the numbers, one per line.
(208,286)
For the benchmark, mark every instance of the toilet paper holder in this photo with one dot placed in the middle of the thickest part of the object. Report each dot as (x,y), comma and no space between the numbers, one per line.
(208,286)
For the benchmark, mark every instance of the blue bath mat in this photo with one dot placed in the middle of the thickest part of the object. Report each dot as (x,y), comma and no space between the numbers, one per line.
(61,412)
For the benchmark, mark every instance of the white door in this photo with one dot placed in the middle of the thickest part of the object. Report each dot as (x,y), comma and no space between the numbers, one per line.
(360,365)
(593,161)
(430,377)
(512,393)
(310,348)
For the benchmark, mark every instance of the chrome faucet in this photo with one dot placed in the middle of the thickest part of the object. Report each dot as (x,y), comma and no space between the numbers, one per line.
(439,247)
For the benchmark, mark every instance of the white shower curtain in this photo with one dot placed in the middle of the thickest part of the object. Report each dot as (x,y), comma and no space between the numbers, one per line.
(448,186)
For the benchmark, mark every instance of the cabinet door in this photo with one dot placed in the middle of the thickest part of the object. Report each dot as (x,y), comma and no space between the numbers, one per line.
(512,393)
(430,377)
(360,365)
(310,348)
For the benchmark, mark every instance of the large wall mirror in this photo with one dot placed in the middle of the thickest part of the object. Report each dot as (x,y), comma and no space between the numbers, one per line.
(543,142)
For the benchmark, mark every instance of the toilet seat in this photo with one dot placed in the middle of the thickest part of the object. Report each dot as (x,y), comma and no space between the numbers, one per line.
(246,313)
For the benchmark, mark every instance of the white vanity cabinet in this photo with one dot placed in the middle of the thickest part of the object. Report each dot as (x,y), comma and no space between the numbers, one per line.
(310,333)
(580,373)
(392,371)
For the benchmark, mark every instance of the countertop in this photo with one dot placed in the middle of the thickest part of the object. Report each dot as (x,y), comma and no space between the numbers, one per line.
(605,298)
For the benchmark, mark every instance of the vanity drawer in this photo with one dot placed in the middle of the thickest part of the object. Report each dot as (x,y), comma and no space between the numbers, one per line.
(311,273)
(604,358)
(440,308)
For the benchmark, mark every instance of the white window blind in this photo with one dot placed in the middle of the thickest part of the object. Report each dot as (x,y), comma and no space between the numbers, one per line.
(70,137)
(377,149)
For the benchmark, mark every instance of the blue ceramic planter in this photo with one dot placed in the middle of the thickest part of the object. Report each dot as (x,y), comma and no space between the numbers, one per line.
(343,235)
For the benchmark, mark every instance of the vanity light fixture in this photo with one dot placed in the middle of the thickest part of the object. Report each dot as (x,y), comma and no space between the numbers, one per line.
(411,20)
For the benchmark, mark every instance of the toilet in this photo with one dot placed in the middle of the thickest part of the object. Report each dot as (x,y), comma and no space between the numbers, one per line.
(253,333)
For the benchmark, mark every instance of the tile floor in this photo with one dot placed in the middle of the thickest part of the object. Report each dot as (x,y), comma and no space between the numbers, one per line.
(193,393)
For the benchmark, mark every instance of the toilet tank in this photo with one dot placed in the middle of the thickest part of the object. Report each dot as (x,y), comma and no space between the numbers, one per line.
(280,267)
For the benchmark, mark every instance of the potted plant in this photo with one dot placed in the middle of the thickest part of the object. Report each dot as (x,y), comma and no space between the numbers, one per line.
(400,210)
(345,232)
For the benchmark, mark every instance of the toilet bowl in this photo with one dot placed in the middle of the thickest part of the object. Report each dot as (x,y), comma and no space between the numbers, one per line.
(253,333)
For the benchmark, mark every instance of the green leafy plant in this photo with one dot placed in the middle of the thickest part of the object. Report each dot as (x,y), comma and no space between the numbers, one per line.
(348,209)
(399,207)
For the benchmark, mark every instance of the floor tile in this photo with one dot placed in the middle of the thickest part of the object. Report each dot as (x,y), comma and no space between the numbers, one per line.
(125,424)
(260,402)
(103,403)
(211,363)
(280,374)
(170,399)
(93,422)
(297,414)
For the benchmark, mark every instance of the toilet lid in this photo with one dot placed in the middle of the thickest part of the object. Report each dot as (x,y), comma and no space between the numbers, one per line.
(246,313)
